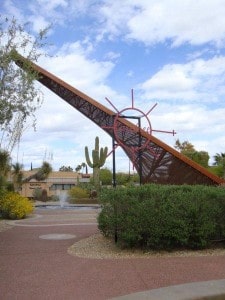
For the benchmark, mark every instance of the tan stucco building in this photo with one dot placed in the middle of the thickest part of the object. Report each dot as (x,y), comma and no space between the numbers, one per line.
(54,184)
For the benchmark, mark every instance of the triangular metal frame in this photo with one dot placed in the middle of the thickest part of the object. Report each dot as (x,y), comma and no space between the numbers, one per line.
(160,162)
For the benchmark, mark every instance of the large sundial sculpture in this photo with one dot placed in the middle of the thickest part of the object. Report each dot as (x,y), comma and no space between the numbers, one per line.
(160,163)
(126,136)
(123,134)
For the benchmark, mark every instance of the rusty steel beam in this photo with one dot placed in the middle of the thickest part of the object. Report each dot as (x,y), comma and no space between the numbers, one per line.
(160,163)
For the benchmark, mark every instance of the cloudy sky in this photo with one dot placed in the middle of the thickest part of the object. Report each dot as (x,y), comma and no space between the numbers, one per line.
(170,52)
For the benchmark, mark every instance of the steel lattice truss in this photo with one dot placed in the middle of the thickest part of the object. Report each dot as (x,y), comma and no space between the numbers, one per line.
(159,162)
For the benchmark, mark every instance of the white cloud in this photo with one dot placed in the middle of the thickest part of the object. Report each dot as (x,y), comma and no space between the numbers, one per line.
(12,11)
(61,129)
(83,6)
(112,55)
(151,22)
(200,125)
(190,94)
(65,132)
(113,17)
(38,23)
(198,80)
(52,4)
(71,63)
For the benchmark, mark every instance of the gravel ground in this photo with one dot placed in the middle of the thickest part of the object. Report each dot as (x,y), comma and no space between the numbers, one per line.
(99,247)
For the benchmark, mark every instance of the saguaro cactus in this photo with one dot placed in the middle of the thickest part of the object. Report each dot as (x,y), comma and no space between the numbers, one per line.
(98,160)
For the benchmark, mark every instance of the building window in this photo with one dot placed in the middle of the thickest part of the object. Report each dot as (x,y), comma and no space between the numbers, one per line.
(61,187)
(67,186)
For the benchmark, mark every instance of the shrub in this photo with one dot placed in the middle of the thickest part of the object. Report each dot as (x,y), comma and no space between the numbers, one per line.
(37,192)
(15,206)
(54,198)
(163,216)
(77,193)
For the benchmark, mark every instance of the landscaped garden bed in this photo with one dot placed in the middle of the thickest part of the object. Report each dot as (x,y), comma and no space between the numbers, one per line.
(163,217)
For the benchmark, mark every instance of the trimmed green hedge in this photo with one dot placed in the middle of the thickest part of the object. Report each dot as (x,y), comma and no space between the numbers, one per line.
(163,216)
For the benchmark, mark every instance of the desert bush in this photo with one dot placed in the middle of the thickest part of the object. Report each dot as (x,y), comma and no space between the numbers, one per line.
(54,198)
(77,193)
(37,192)
(163,216)
(15,206)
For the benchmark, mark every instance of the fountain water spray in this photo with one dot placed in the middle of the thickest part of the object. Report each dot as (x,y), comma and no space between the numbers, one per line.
(62,198)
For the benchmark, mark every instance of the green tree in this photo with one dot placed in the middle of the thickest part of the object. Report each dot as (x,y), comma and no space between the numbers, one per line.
(17,176)
(219,163)
(105,176)
(66,169)
(122,178)
(84,166)
(4,167)
(217,170)
(219,159)
(134,179)
(42,173)
(98,160)
(19,96)
(188,149)
(78,168)
(185,146)
(200,157)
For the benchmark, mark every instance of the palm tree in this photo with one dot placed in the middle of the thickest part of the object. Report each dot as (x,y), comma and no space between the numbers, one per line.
(66,169)
(83,165)
(220,162)
(17,176)
(219,159)
(78,168)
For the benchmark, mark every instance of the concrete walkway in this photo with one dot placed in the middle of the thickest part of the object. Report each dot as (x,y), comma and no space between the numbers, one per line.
(34,263)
